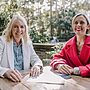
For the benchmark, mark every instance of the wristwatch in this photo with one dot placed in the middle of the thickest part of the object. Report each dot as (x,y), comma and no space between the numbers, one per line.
(76,71)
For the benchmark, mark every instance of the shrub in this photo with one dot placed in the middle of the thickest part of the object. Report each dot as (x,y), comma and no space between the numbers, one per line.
(4,19)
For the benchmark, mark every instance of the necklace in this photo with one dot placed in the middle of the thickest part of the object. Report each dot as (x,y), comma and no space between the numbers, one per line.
(80,43)
(79,46)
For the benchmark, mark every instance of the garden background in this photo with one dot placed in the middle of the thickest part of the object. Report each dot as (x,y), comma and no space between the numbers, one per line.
(49,21)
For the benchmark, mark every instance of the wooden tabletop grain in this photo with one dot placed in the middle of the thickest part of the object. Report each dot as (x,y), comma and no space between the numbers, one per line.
(74,83)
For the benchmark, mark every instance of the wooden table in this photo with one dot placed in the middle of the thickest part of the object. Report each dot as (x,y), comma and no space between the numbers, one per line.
(74,83)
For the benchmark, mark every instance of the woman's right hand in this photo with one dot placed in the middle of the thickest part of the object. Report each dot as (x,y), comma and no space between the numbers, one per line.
(64,69)
(13,75)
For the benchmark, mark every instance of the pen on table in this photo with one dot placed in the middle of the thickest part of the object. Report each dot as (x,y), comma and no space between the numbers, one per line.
(25,86)
(51,83)
(24,80)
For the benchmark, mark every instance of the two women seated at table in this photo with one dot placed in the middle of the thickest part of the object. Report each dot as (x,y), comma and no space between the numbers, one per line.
(74,58)
(16,51)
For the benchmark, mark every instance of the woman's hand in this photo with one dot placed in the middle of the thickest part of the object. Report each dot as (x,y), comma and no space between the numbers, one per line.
(13,75)
(65,69)
(35,71)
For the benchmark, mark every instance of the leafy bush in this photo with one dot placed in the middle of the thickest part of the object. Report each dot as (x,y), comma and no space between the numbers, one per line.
(63,24)
(4,19)
(57,48)
(38,37)
(61,27)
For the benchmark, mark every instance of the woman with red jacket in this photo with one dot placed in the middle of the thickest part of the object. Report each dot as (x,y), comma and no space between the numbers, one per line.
(74,58)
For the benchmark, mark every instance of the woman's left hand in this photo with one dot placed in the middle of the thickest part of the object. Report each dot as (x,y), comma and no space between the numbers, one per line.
(65,69)
(35,71)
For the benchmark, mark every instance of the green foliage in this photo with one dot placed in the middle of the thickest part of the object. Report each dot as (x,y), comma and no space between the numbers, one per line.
(38,37)
(41,23)
(46,62)
(65,36)
(56,49)
(63,24)
(59,24)
(6,13)
(4,19)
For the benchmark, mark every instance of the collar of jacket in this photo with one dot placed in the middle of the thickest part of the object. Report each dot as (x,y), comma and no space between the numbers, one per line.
(73,41)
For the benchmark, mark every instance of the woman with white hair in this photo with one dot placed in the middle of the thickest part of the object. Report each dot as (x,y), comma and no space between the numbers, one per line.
(16,51)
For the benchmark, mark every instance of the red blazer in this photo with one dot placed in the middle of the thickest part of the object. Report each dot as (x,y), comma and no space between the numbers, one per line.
(69,55)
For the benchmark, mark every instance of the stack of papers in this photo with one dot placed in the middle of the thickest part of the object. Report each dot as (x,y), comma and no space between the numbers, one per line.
(47,77)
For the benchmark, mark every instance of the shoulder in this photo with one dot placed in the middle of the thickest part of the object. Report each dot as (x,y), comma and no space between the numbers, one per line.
(69,44)
(87,40)
(28,42)
(2,39)
(70,41)
(88,37)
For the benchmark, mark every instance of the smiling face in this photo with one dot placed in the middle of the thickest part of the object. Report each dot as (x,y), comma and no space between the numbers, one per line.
(79,25)
(18,30)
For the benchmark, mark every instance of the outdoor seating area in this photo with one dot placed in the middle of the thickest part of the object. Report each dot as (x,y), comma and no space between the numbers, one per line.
(44,44)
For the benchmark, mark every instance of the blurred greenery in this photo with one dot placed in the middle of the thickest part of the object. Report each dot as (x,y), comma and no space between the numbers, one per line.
(56,49)
(45,19)
(38,37)
(3,21)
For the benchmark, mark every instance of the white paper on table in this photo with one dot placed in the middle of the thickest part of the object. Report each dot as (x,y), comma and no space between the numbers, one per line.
(47,77)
